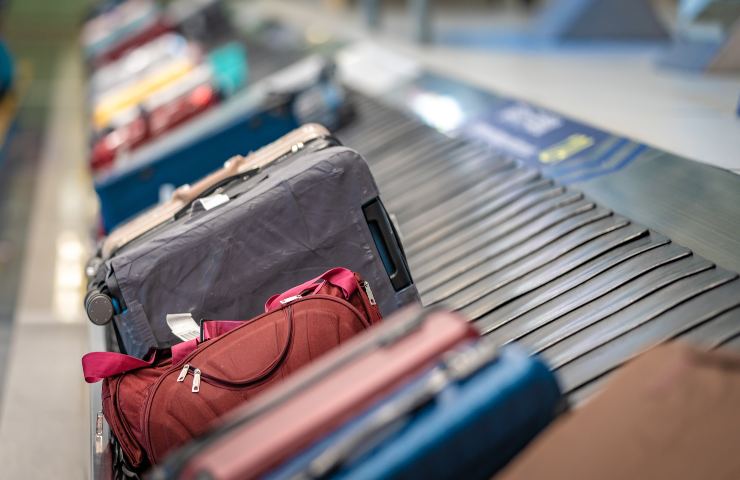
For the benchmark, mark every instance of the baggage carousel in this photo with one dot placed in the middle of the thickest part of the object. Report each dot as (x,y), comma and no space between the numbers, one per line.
(544,254)
(529,260)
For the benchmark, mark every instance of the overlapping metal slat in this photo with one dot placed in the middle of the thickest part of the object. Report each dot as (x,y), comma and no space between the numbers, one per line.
(531,261)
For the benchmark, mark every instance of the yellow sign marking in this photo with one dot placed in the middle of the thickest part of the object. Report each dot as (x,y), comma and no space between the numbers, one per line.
(566,149)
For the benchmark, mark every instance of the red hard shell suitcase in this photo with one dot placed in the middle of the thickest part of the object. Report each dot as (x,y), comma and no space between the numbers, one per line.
(156,405)
(323,396)
(152,119)
(672,413)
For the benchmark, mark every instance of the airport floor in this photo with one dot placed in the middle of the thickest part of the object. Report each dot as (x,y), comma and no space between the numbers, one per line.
(49,209)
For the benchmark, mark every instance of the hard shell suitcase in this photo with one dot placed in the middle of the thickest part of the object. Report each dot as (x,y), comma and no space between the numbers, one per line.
(671,413)
(173,104)
(153,119)
(187,193)
(251,118)
(225,67)
(464,418)
(124,24)
(111,104)
(157,405)
(140,61)
(248,237)
(133,23)
(311,404)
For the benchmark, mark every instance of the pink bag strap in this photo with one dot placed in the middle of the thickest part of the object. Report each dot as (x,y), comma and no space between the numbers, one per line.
(339,277)
(211,329)
(215,328)
(99,365)
(182,350)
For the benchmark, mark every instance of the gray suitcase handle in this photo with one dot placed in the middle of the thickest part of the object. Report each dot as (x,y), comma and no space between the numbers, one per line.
(388,243)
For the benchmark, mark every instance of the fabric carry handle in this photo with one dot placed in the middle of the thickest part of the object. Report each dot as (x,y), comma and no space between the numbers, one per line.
(97,366)
(339,277)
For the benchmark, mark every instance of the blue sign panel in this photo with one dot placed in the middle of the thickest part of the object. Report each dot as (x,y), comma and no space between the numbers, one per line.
(564,149)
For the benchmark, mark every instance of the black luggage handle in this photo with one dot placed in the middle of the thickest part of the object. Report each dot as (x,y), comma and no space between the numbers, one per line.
(246,175)
(388,243)
(250,174)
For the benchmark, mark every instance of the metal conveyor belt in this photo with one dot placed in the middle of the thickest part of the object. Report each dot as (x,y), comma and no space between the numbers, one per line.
(531,261)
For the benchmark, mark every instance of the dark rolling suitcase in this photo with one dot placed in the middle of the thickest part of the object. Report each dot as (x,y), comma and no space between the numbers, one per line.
(187,193)
(312,208)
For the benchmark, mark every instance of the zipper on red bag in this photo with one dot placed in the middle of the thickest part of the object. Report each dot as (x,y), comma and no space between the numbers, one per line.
(296,298)
(198,374)
(183,373)
(368,299)
(366,295)
(195,387)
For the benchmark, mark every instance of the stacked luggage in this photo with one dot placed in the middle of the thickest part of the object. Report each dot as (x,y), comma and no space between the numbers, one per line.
(260,316)
(202,343)
(291,210)
(171,96)
(184,284)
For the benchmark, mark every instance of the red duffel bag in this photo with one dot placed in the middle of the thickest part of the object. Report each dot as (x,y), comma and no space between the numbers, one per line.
(155,405)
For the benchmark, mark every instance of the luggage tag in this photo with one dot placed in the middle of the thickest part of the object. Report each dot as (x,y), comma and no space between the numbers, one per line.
(210,202)
(183,326)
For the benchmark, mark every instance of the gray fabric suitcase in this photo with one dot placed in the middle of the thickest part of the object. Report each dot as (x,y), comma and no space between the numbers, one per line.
(267,230)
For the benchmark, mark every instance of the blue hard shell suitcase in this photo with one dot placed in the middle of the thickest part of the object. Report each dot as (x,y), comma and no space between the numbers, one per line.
(7,69)
(250,119)
(465,418)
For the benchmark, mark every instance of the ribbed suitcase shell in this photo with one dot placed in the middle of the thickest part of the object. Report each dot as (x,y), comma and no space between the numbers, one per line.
(469,428)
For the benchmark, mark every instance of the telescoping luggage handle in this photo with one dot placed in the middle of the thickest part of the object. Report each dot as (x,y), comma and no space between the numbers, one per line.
(399,330)
(456,366)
